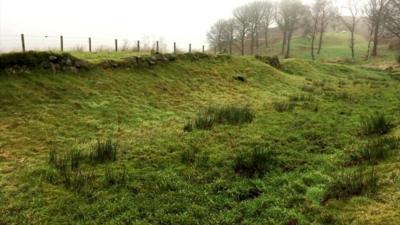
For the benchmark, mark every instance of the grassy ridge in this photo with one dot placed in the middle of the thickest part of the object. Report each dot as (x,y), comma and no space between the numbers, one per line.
(276,168)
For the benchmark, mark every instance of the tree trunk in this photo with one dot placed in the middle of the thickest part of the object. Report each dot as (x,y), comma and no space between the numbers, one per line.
(242,43)
(257,41)
(289,38)
(322,31)
(369,44)
(376,40)
(231,44)
(284,42)
(252,43)
(352,44)
(314,33)
(266,36)
(321,39)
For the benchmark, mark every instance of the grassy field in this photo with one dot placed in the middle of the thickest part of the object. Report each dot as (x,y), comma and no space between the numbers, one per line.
(223,140)
(336,47)
(96,57)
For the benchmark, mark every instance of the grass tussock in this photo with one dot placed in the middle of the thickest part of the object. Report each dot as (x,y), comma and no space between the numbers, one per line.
(376,124)
(308,88)
(255,163)
(189,155)
(114,177)
(351,183)
(375,150)
(68,167)
(231,115)
(104,151)
(301,98)
(283,106)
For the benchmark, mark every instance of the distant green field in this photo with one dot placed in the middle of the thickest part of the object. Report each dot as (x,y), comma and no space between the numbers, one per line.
(223,140)
(335,46)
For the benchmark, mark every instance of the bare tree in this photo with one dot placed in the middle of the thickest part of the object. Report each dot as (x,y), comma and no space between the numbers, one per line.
(289,16)
(354,9)
(268,18)
(243,22)
(216,35)
(327,13)
(316,16)
(376,11)
(257,9)
(393,17)
(229,34)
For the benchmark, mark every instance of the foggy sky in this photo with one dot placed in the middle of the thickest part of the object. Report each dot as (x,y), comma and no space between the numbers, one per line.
(183,21)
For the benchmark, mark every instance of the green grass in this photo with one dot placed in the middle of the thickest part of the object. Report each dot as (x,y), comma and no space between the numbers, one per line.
(96,57)
(255,166)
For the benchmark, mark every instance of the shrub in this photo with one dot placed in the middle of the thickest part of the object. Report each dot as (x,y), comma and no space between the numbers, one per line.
(255,163)
(376,124)
(352,183)
(104,151)
(221,115)
(283,106)
(272,61)
(375,150)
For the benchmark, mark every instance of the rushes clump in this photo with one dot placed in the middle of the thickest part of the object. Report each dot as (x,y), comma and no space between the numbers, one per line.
(352,183)
(115,177)
(376,124)
(375,150)
(255,163)
(104,151)
(189,155)
(232,115)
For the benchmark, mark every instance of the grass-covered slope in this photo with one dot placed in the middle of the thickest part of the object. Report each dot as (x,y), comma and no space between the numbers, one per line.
(189,143)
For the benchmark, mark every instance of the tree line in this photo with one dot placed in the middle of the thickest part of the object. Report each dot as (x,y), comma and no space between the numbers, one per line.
(251,23)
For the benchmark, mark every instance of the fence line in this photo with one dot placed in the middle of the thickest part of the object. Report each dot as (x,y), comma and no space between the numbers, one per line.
(64,43)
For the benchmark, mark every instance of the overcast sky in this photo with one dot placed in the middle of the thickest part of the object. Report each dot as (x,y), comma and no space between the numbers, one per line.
(183,21)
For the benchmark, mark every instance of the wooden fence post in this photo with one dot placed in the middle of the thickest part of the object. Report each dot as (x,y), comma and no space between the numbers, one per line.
(190,48)
(116,45)
(61,43)
(23,42)
(174,47)
(157,47)
(203,49)
(138,46)
(90,44)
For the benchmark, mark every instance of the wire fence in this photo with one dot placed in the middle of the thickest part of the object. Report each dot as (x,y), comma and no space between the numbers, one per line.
(23,43)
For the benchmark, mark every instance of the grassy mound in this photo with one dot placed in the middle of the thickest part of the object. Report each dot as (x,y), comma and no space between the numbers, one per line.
(270,158)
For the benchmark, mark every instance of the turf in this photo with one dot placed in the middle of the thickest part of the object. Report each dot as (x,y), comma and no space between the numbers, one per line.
(165,175)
